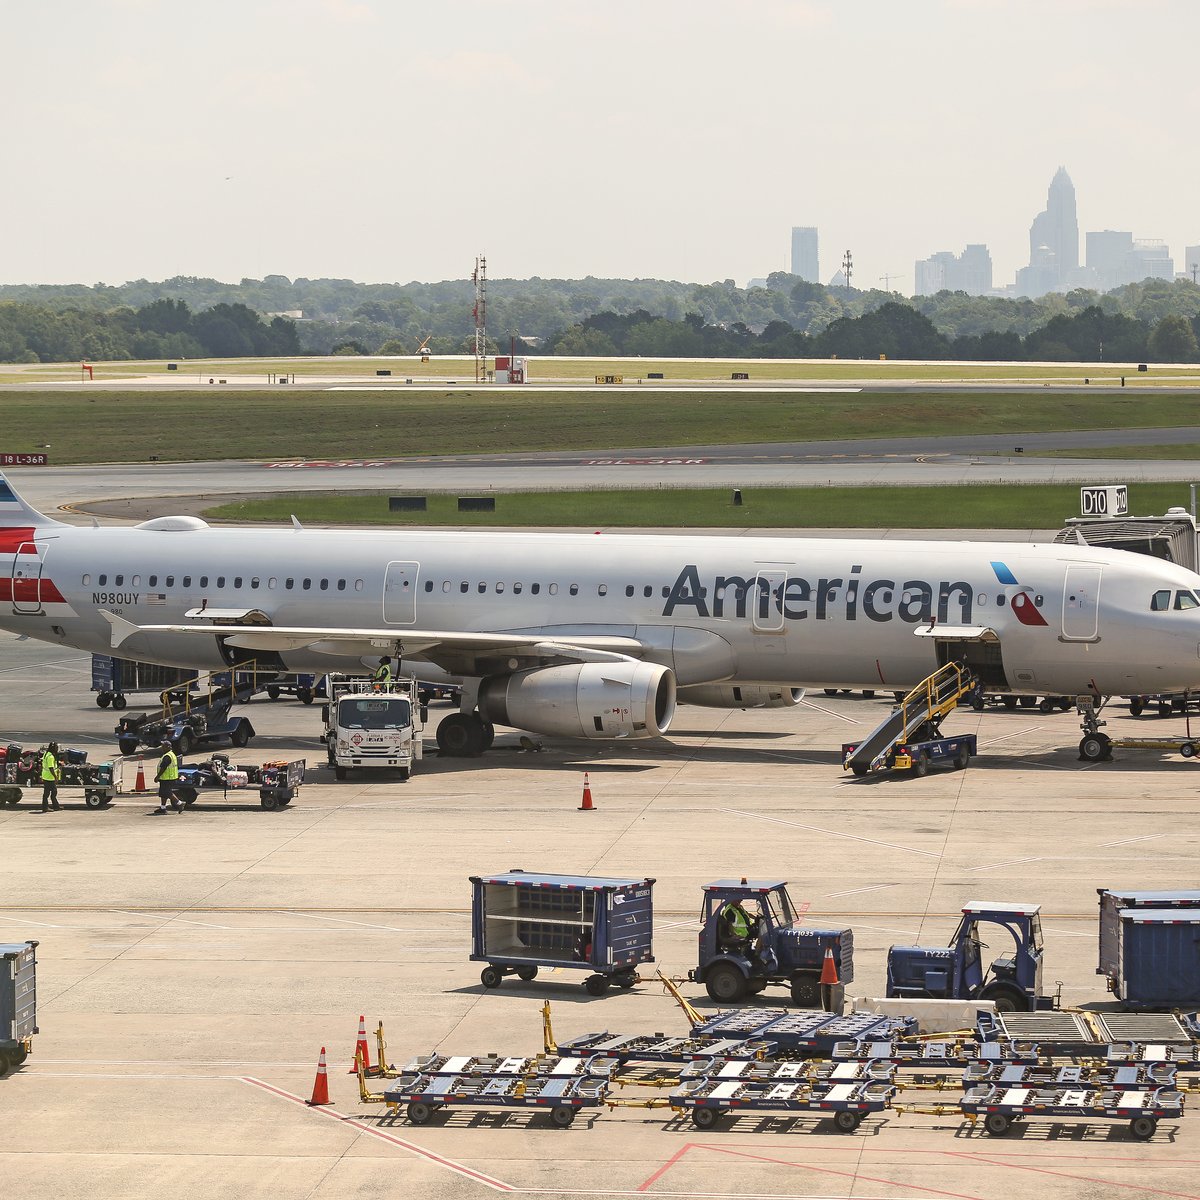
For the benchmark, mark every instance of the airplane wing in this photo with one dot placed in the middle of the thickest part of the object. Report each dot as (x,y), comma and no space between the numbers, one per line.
(457,653)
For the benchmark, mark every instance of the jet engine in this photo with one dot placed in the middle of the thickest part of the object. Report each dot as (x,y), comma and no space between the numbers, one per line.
(757,695)
(591,700)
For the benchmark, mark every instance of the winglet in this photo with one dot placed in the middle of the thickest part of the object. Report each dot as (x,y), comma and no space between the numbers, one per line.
(122,629)
(296,522)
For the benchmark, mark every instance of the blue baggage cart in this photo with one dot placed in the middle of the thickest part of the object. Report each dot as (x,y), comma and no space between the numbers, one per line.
(521,921)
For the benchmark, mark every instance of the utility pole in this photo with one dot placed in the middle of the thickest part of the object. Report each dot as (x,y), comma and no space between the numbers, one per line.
(847,266)
(479,278)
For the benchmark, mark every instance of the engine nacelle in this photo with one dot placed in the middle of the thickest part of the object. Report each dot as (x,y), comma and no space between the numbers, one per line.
(591,700)
(755,695)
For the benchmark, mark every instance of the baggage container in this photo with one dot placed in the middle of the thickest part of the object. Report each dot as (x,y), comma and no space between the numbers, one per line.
(18,1002)
(1112,902)
(522,921)
(1158,958)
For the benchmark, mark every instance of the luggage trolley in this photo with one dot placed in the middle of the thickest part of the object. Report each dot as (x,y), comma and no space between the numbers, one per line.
(1142,1108)
(710,1098)
(562,1096)
(1141,1075)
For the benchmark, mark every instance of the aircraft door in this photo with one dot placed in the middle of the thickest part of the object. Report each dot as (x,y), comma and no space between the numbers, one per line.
(1081,603)
(27,579)
(767,600)
(400,593)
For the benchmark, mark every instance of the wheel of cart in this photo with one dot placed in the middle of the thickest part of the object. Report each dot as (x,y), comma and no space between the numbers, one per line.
(704,1118)
(625,980)
(1095,747)
(525,974)
(997,1123)
(185,743)
(268,800)
(1188,749)
(127,745)
(1143,1128)
(491,976)
(846,1121)
(920,764)
(597,985)
(94,798)
(562,1116)
(187,795)
(962,757)
(418,1112)
(103,699)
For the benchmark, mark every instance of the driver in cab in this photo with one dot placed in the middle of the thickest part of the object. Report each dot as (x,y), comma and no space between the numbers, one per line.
(738,926)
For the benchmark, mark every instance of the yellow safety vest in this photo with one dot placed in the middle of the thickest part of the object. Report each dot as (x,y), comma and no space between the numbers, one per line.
(736,921)
(171,771)
(50,770)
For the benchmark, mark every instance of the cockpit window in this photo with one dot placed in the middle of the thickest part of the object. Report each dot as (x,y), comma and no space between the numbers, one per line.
(1160,601)
(1186,600)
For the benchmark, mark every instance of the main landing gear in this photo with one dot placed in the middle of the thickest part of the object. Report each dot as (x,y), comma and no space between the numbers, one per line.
(465,735)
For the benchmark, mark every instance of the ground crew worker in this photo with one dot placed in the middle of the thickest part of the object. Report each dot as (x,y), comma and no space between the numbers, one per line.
(51,774)
(167,776)
(383,674)
(737,925)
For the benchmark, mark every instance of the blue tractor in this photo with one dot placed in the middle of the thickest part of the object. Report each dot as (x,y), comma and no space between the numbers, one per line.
(957,971)
(751,937)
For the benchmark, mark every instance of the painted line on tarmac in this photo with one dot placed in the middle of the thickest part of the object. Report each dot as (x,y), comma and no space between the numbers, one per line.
(980,1157)
(342,1118)
(829,712)
(1008,862)
(875,887)
(169,920)
(853,837)
(345,921)
(1009,736)
(1146,837)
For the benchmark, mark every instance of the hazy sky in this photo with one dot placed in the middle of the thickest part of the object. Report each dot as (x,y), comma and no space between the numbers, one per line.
(681,139)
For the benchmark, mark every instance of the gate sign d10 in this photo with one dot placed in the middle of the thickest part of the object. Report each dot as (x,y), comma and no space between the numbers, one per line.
(1110,501)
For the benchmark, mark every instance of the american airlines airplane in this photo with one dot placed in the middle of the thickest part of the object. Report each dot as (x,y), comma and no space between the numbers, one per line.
(600,636)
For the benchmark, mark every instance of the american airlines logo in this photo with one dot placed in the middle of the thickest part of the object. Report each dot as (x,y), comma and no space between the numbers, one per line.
(915,601)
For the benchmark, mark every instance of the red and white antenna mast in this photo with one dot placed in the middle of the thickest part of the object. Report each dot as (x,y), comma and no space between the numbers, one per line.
(479,278)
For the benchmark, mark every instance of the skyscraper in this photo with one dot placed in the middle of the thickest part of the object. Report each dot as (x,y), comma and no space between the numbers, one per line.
(970,272)
(1053,241)
(805,262)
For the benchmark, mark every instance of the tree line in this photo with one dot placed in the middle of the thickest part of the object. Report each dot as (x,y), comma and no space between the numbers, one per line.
(785,317)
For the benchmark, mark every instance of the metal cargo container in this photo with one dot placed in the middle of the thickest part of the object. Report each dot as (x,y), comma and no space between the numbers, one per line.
(18,1002)
(1158,958)
(1112,901)
(522,921)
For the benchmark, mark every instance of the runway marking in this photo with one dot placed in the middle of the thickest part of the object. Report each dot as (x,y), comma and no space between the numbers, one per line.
(346,921)
(458,1168)
(1008,736)
(169,920)
(1011,862)
(853,837)
(42,924)
(829,712)
(1146,837)
(875,887)
(1107,1183)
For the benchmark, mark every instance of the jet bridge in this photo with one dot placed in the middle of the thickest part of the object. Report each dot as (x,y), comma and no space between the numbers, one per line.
(916,718)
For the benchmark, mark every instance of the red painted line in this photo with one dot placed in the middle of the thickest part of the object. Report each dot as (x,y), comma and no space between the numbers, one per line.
(1107,1183)
(411,1147)
(666,1166)
(855,1175)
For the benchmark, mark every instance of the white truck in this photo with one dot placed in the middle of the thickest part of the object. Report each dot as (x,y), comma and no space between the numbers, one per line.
(373,727)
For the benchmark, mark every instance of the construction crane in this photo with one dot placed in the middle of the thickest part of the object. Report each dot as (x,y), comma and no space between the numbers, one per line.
(887,280)
(423,348)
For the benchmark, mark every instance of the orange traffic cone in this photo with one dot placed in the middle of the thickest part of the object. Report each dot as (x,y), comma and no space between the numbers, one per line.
(361,1049)
(321,1083)
(829,975)
(587,805)
(140,785)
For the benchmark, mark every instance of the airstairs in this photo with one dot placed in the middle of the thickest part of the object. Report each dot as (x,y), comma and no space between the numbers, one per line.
(917,717)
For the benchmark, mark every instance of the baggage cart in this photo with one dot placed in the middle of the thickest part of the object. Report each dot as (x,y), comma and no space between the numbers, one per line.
(276,782)
(115,678)
(98,782)
(623,1048)
(1142,1108)
(561,1096)
(522,921)
(708,1099)
(18,1002)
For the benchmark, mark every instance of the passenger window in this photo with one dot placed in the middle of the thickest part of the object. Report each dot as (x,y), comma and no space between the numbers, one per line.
(136,581)
(516,589)
(153,581)
(288,584)
(666,591)
(629,589)
(1185,600)
(220,581)
(358,585)
(574,589)
(118,580)
(306,585)
(553,589)
(981,600)
(602,590)
(273,582)
(342,586)
(86,580)
(499,588)
(482,588)
(187,581)
(464,586)
(255,582)
(204,581)
(647,591)
(445,585)
(324,585)
(535,588)
(169,581)
(429,585)
(101,579)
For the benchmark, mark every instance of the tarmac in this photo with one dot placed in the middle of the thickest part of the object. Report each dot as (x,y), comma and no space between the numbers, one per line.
(191,966)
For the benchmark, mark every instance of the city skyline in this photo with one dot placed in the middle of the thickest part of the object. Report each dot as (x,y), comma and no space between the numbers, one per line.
(331,138)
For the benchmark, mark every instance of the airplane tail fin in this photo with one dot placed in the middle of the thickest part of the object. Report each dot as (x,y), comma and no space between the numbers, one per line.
(15,512)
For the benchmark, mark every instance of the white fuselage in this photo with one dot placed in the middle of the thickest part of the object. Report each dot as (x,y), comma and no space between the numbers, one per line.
(799,611)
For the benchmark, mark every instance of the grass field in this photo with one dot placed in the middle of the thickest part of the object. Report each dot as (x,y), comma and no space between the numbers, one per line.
(116,425)
(978,506)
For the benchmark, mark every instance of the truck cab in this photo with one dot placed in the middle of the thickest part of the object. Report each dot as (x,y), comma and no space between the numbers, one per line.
(751,937)
(373,726)
(957,972)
